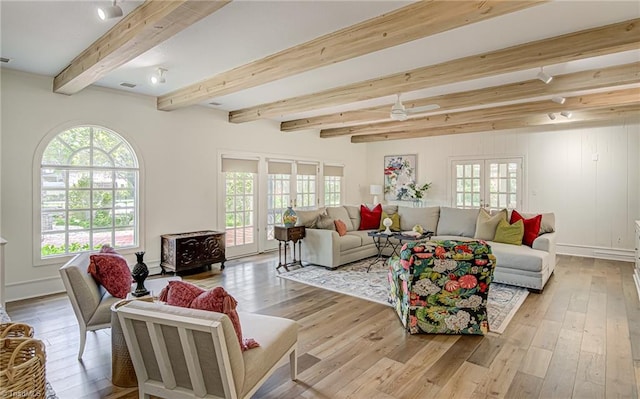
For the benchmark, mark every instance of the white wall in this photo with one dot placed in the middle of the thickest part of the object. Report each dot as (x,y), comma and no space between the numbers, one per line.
(178,150)
(595,202)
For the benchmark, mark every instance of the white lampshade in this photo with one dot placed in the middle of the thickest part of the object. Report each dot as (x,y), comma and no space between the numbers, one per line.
(375,190)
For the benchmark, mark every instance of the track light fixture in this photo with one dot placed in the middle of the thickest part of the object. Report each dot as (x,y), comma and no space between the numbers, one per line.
(558,100)
(113,11)
(159,76)
(543,76)
(551,116)
(566,114)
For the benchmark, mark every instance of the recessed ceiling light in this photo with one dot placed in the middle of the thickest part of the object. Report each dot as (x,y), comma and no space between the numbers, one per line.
(5,60)
(558,100)
(552,116)
(215,104)
(129,85)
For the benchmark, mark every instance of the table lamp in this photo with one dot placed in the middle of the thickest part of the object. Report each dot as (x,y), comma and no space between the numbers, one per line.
(375,190)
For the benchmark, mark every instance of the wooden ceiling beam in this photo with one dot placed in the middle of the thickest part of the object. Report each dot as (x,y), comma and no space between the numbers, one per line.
(610,77)
(406,24)
(142,29)
(579,118)
(588,43)
(615,97)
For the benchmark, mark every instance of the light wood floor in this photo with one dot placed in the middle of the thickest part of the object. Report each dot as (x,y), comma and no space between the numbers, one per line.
(580,338)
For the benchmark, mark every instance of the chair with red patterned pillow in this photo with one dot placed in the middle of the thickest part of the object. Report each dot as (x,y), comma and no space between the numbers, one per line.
(441,287)
(91,302)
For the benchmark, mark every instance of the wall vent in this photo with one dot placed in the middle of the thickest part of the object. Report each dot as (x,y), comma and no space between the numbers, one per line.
(129,85)
(5,60)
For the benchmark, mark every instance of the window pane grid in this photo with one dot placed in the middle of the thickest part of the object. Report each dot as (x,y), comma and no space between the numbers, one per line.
(306,193)
(239,208)
(278,199)
(332,190)
(468,185)
(80,170)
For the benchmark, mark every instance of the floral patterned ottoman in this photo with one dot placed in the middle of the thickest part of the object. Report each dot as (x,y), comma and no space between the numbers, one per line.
(441,287)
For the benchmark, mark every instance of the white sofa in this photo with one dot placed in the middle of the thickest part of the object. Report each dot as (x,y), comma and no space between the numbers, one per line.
(518,265)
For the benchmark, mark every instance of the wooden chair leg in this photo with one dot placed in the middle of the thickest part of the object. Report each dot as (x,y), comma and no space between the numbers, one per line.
(293,365)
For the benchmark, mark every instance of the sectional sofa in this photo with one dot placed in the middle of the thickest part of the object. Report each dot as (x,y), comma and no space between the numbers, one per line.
(519,265)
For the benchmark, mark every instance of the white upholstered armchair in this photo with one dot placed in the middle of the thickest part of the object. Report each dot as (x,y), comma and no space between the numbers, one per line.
(184,353)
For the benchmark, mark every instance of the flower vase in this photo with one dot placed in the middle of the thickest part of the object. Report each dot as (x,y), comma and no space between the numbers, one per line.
(140,273)
(289,217)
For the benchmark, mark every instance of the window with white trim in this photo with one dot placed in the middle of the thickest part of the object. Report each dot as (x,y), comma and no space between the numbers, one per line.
(332,185)
(487,183)
(306,185)
(278,193)
(89,182)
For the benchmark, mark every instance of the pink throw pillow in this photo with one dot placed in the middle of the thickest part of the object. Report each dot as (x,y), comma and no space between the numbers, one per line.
(219,300)
(180,293)
(112,272)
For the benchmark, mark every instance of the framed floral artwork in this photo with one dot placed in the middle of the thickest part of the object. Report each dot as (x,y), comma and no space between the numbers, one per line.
(399,176)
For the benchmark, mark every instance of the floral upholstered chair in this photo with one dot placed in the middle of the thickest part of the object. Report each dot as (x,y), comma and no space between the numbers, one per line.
(441,287)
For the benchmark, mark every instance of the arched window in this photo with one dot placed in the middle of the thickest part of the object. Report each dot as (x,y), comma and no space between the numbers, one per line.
(89,179)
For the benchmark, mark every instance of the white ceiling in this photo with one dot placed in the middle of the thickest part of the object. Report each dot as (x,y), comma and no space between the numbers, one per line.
(44,36)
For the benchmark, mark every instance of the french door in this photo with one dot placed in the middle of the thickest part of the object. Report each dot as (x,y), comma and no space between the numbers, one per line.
(487,183)
(241,198)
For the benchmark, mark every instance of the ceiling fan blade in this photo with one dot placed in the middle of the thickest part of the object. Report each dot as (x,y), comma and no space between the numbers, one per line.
(424,108)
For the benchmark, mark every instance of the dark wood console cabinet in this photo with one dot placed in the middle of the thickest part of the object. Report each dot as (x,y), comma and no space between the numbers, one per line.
(186,251)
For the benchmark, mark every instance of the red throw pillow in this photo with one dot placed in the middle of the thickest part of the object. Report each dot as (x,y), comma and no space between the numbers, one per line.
(370,218)
(341,228)
(112,272)
(219,300)
(531,226)
(180,293)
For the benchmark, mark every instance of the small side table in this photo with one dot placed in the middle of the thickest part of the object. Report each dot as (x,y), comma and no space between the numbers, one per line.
(122,372)
(283,235)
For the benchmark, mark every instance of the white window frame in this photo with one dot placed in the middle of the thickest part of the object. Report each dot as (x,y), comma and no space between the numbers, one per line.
(37,258)
(484,178)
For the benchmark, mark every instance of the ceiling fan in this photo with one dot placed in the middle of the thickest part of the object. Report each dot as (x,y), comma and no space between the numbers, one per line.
(400,113)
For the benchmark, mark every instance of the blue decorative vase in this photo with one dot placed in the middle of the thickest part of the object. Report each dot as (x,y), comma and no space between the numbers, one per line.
(289,217)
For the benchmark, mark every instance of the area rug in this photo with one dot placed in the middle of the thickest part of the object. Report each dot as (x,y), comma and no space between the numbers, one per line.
(353,279)
(50,393)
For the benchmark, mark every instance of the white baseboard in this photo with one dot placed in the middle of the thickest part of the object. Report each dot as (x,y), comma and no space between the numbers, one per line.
(48,285)
(33,288)
(624,255)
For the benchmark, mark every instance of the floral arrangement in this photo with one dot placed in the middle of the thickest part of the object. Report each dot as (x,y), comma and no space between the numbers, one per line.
(412,191)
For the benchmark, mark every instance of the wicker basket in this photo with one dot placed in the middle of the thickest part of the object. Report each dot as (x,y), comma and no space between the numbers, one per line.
(22,368)
(15,330)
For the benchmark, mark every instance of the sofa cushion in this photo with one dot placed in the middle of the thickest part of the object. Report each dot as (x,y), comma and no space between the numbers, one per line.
(340,212)
(426,217)
(509,233)
(395,222)
(518,257)
(531,227)
(308,218)
(350,241)
(354,215)
(487,224)
(457,222)
(370,218)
